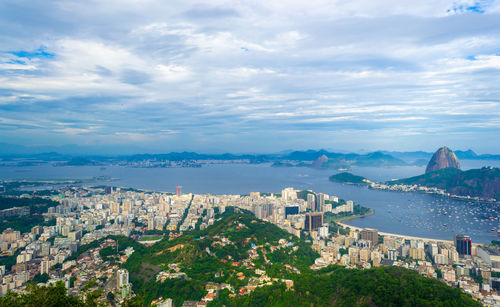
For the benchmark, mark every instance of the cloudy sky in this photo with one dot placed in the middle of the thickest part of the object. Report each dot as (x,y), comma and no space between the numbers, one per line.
(250,76)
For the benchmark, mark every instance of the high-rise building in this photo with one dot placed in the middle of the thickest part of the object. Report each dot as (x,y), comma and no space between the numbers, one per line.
(392,254)
(440,259)
(263,211)
(463,245)
(364,254)
(313,221)
(291,210)
(320,202)
(37,230)
(323,231)
(433,249)
(127,206)
(9,235)
(151,222)
(311,201)
(178,190)
(254,195)
(115,207)
(289,194)
(122,278)
(44,268)
(370,235)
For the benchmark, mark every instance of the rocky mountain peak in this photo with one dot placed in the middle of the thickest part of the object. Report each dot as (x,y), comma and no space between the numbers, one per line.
(442,158)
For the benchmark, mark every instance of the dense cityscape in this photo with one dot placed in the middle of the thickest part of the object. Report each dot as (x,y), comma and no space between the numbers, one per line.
(77,249)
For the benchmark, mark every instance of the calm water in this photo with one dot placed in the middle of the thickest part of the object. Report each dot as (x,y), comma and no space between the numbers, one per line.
(395,212)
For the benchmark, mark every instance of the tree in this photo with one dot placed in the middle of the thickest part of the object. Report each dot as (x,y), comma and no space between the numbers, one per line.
(439,273)
(35,296)
(110,296)
(40,278)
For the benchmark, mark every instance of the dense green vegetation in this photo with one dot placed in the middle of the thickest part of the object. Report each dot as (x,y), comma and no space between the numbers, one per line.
(360,210)
(14,188)
(36,204)
(484,182)
(123,242)
(41,278)
(337,286)
(348,178)
(25,223)
(200,259)
(108,253)
(50,296)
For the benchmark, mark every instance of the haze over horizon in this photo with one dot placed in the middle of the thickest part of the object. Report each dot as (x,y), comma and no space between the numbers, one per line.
(152,76)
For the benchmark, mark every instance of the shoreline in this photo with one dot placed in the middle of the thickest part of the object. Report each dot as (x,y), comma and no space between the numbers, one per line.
(382,186)
(405,237)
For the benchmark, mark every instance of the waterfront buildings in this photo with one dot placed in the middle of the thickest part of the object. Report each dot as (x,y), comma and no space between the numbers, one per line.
(463,244)
(370,235)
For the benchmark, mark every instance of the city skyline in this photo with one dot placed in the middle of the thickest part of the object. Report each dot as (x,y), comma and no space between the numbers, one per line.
(134,77)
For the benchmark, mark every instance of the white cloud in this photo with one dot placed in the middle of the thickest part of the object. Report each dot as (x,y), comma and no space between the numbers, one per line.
(242,66)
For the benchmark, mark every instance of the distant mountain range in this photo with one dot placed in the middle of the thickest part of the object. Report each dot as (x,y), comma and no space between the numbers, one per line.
(316,158)
(412,156)
(295,158)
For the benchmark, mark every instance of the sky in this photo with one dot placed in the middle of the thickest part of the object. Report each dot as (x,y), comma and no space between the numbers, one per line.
(126,76)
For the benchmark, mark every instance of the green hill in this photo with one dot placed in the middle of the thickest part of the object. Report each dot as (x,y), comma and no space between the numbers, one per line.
(346,177)
(233,247)
(484,182)
(338,286)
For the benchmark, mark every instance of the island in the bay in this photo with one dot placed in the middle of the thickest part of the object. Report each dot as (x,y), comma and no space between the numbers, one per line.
(78,245)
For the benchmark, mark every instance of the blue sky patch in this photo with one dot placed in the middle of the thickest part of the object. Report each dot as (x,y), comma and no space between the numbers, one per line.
(38,53)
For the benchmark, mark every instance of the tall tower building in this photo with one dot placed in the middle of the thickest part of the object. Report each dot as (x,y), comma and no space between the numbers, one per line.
(313,221)
(115,207)
(463,245)
(151,221)
(311,201)
(370,235)
(320,202)
(122,278)
(127,206)
(45,266)
(289,194)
